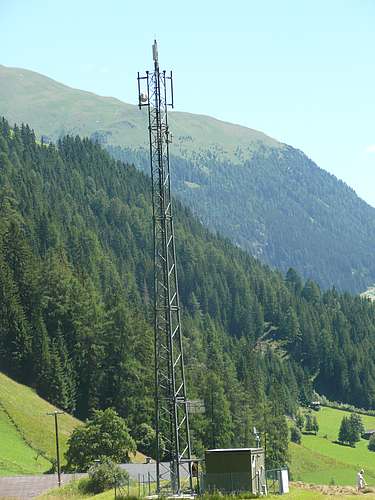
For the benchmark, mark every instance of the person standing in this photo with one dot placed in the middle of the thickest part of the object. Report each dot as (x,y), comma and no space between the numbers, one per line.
(361,483)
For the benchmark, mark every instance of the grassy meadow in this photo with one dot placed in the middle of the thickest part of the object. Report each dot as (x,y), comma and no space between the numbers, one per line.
(319,460)
(27,434)
(16,456)
(73,492)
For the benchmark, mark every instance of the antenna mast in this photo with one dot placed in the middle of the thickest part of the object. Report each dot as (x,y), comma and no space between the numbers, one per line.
(155,91)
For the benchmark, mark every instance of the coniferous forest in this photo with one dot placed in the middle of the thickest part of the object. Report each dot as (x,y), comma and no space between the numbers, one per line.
(267,197)
(76,304)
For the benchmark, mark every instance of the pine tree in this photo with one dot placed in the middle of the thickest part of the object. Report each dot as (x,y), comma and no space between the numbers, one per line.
(276,429)
(308,425)
(277,441)
(300,421)
(315,425)
(57,392)
(295,435)
(40,357)
(294,281)
(354,426)
(219,431)
(344,432)
(371,444)
(356,423)
(15,339)
(69,376)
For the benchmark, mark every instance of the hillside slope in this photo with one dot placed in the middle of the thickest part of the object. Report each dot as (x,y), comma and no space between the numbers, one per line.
(62,110)
(320,460)
(27,434)
(75,309)
(268,198)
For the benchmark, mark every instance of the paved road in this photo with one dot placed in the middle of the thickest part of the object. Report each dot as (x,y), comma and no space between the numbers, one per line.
(26,487)
(136,470)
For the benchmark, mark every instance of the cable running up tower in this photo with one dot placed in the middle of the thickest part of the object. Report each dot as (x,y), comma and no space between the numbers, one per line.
(155,91)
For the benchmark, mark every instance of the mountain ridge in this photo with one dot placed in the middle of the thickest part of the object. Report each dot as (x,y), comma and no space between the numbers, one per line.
(266,196)
(138,116)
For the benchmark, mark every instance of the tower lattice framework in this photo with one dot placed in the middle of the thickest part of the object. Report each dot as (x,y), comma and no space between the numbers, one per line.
(172,419)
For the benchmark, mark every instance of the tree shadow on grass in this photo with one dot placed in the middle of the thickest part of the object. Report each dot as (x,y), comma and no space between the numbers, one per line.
(343,444)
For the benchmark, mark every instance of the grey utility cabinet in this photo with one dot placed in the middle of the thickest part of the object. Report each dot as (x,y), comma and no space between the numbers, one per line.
(235,469)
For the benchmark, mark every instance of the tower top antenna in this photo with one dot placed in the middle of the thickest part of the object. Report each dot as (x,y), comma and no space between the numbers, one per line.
(155,51)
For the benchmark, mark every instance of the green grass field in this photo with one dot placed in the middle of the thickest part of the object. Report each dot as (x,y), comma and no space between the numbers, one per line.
(319,460)
(25,428)
(27,434)
(72,492)
(16,457)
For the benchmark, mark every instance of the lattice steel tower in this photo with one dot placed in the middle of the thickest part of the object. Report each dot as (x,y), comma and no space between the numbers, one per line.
(155,91)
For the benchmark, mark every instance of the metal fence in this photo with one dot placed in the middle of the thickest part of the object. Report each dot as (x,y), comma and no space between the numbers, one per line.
(276,482)
(146,484)
(143,485)
(122,489)
(271,482)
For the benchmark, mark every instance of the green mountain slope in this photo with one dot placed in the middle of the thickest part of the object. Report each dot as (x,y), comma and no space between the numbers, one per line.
(268,198)
(27,434)
(76,315)
(62,110)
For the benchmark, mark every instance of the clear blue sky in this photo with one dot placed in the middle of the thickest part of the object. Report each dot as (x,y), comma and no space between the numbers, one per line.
(302,71)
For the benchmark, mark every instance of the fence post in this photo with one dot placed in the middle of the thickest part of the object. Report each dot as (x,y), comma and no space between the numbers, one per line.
(139,484)
(128,485)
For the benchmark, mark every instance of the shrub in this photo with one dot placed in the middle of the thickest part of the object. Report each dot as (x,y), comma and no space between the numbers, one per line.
(105,475)
(371,444)
(295,435)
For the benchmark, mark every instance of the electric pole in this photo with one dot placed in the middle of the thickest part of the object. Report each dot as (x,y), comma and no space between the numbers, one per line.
(155,91)
(55,414)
